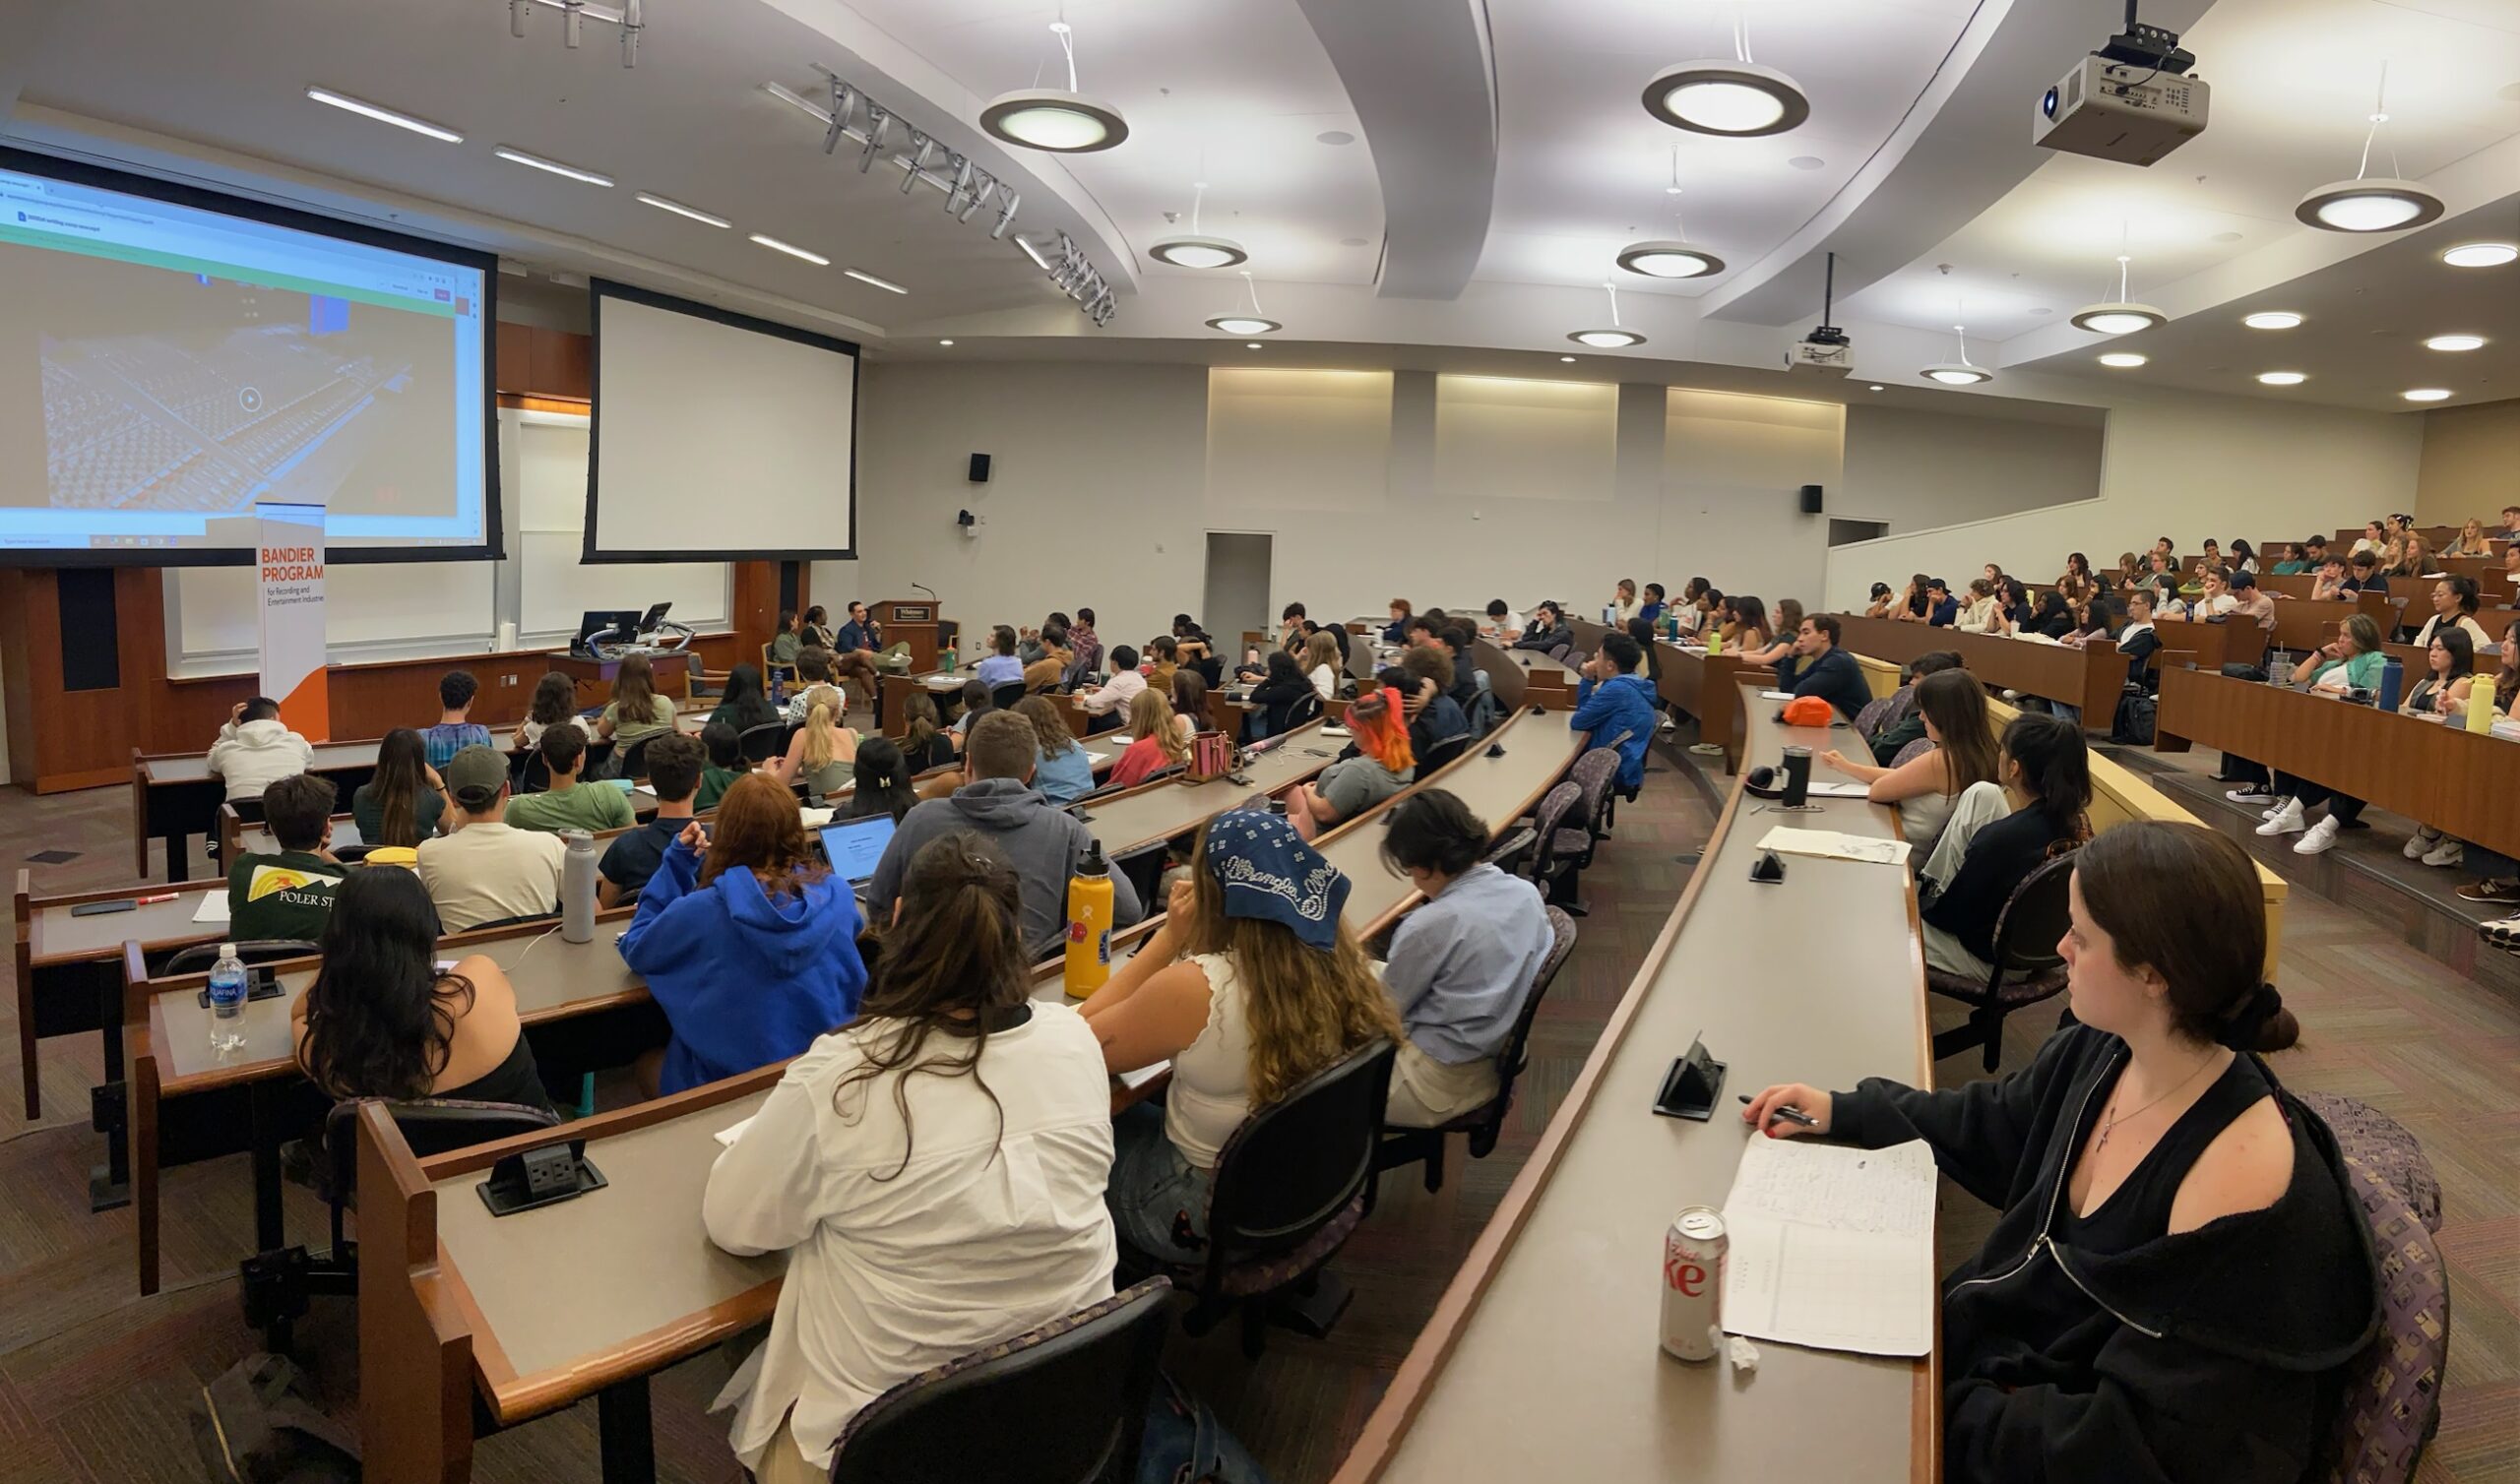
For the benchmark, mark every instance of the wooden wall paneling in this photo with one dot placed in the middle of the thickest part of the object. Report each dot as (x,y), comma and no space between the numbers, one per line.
(512,352)
(563,365)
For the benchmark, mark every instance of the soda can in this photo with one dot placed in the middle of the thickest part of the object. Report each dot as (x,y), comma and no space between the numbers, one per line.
(1693,1282)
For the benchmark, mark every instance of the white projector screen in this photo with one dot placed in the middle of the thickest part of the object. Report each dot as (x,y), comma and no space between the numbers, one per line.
(718,437)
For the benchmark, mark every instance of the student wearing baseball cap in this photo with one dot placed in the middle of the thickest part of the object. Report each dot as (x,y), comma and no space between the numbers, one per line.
(484,869)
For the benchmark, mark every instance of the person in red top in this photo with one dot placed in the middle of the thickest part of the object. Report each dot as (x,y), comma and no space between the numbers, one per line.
(1158,741)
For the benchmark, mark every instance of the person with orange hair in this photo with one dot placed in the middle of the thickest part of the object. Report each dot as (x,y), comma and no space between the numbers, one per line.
(748,943)
(1383,765)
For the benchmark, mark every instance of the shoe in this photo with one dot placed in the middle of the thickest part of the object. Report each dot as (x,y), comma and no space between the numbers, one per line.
(2278,808)
(2251,793)
(2504,935)
(2321,836)
(2449,852)
(2286,821)
(2419,843)
(2504,891)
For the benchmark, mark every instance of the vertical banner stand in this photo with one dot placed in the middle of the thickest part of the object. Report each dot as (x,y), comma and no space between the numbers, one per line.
(289,600)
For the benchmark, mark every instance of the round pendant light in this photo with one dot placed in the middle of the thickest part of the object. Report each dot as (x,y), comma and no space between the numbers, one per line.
(1669,259)
(2281,378)
(2123,361)
(2121,315)
(1615,337)
(1045,118)
(1199,252)
(1245,322)
(1959,373)
(2374,204)
(2455,342)
(1737,100)
(2271,318)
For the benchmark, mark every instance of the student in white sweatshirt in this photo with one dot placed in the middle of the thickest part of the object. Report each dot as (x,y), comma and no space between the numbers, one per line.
(256,749)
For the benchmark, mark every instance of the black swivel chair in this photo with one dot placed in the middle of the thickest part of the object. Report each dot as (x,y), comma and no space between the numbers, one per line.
(760,744)
(2026,969)
(1486,1123)
(1444,752)
(1005,696)
(1062,1405)
(200,956)
(634,758)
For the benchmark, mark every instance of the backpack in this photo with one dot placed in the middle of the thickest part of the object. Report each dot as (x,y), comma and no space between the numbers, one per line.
(256,1426)
(2133,724)
(1186,1444)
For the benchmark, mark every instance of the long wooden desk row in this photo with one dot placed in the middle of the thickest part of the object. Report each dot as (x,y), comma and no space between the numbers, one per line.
(1708,687)
(2089,678)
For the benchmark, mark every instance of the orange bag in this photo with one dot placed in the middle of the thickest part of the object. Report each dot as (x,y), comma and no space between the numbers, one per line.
(1809,710)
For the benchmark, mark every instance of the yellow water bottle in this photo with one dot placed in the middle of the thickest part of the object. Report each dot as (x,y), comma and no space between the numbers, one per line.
(2481,705)
(1089,924)
(1714,640)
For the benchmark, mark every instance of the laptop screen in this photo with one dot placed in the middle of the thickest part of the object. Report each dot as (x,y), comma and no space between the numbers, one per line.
(854,846)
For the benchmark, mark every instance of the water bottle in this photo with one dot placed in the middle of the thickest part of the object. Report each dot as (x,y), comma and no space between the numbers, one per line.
(2481,706)
(2392,684)
(577,888)
(2279,669)
(778,687)
(1090,898)
(227,1001)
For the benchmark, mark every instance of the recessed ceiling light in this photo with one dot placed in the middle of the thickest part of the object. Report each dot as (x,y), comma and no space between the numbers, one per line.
(1252,345)
(1199,252)
(1244,324)
(1872,389)
(2271,318)
(1739,99)
(2226,237)
(791,250)
(2480,254)
(2281,378)
(2124,360)
(1669,260)
(1352,242)
(367,109)
(1806,161)
(1062,123)
(866,277)
(944,342)
(2426,393)
(1568,359)
(2375,205)
(1606,340)
(519,157)
(679,210)
(1336,137)
(2454,342)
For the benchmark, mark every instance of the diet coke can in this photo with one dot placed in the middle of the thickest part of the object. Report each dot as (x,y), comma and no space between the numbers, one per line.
(1692,1283)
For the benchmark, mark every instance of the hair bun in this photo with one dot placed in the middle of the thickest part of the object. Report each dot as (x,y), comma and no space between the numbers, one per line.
(2261,1022)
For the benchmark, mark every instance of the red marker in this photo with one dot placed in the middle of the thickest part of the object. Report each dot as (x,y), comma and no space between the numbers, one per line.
(143,901)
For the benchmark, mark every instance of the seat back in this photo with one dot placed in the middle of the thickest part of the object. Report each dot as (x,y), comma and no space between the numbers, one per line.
(1444,752)
(634,758)
(1556,808)
(1591,776)
(1876,714)
(2035,917)
(2391,1402)
(770,667)
(760,744)
(1559,652)
(1913,751)
(1514,1055)
(1304,710)
(2386,1146)
(1005,696)
(200,956)
(429,1125)
(1064,1403)
(1294,1165)
(531,775)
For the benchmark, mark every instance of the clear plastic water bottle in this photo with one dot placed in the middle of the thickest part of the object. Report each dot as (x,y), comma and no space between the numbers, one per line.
(227,1001)
(2279,669)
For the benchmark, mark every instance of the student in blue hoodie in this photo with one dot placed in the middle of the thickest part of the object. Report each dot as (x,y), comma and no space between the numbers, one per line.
(1614,700)
(749,945)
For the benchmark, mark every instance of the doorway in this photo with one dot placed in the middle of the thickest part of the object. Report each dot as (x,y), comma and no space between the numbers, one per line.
(1237,600)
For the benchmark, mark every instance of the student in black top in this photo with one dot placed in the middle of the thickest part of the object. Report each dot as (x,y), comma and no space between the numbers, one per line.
(742,705)
(2180,1272)
(401,804)
(883,782)
(1818,667)
(2137,641)
(2045,765)
(1461,641)
(816,628)
(1277,695)
(674,772)
(289,894)
(2053,619)
(1547,630)
(924,744)
(2367,574)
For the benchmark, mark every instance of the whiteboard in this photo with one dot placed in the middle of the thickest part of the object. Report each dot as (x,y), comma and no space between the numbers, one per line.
(558,587)
(380,603)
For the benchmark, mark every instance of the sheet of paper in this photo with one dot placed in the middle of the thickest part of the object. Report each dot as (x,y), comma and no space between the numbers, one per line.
(1832,1247)
(1776,695)
(212,908)
(1143,1074)
(733,1131)
(816,818)
(1831,844)
(1839,790)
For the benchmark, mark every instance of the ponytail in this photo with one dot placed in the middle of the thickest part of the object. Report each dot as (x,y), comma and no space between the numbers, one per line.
(822,714)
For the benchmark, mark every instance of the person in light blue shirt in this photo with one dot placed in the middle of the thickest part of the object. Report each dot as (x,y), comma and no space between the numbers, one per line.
(1460,965)
(1617,706)
(1002,667)
(1062,769)
(456,729)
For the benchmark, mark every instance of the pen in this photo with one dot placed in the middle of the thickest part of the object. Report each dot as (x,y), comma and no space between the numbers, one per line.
(143,901)
(1790,1113)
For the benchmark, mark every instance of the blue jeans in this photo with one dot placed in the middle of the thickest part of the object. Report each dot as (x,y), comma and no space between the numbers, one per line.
(1155,1195)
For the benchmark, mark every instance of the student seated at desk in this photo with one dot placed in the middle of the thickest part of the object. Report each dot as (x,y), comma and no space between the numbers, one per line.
(1323,665)
(1274,698)
(2218,602)
(1195,649)
(976,703)
(456,729)
(2367,574)
(1819,668)
(2137,641)
(486,868)
(1622,605)
(1043,842)
(635,712)
(555,699)
(2450,662)
(1943,610)
(1046,672)
(674,772)
(924,743)
(401,802)
(1986,853)
(935,1171)
(747,942)
(1107,705)
(2167,603)
(1903,724)
(1001,668)
(256,749)
(570,802)
(1062,769)
(820,752)
(883,779)
(1433,715)
(813,669)
(1951,708)
(1777,645)
(1190,702)
(1547,631)
(1652,607)
(1460,965)
(2413,558)
(1252,984)
(380,1020)
(1882,602)
(1383,765)
(2250,601)
(1745,624)
(2181,1270)
(1615,705)
(1504,625)
(1164,660)
(1983,612)
(1156,741)
(288,895)
(744,704)
(1087,645)
(1397,631)
(724,764)
(2454,605)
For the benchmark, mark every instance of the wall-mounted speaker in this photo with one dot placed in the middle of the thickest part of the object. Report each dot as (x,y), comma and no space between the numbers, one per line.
(980,469)
(1810,498)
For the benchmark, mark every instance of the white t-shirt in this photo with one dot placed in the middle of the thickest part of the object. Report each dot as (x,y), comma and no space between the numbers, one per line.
(1211,1091)
(490,872)
(2476,631)
(2216,607)
(1326,681)
(988,1231)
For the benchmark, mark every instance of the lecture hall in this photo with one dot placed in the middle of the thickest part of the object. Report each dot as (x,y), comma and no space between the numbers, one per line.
(1425,742)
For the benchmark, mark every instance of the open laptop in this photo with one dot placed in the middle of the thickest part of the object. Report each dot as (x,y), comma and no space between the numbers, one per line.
(854,846)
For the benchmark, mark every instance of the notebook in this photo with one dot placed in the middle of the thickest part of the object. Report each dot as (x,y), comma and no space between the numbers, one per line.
(854,846)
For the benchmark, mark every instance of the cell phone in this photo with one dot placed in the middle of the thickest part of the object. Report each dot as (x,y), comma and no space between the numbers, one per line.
(100,908)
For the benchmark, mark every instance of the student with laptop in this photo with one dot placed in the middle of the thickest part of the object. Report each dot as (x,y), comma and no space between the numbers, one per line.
(855,847)
(487,870)
(256,749)
(571,802)
(674,772)
(726,764)
(288,893)
(456,729)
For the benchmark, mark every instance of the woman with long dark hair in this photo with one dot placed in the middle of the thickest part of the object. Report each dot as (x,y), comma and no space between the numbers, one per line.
(934,1170)
(1281,688)
(1062,769)
(1954,707)
(555,699)
(742,705)
(635,711)
(381,1021)
(882,777)
(1985,852)
(2180,1273)
(1748,627)
(399,804)
(926,743)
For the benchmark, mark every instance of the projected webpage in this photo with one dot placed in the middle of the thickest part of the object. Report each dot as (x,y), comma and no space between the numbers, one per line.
(162,368)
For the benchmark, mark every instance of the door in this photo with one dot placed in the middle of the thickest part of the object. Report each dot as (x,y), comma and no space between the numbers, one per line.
(1237,600)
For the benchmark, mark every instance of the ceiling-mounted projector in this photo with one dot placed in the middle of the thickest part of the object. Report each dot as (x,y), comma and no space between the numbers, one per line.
(1826,350)
(2132,101)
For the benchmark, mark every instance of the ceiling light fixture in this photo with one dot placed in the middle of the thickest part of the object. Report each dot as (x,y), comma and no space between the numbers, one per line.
(866,277)
(1252,345)
(2119,316)
(2426,393)
(2124,360)
(1674,257)
(2281,378)
(1872,389)
(2454,342)
(1195,249)
(791,250)
(519,157)
(1034,253)
(1959,373)
(1567,359)
(574,13)
(365,109)
(1045,118)
(1254,323)
(2480,254)
(679,210)
(1737,98)
(2370,203)
(2271,318)
(944,342)
(1616,338)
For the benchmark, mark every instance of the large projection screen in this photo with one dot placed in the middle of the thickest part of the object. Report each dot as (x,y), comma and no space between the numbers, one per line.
(169,357)
(718,437)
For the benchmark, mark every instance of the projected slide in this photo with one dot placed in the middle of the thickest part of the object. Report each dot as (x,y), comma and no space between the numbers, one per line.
(163,367)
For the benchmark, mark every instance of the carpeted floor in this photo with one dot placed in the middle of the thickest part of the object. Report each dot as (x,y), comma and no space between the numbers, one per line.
(95,1383)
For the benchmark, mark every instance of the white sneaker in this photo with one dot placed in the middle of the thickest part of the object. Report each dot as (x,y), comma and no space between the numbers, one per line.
(2249,796)
(2418,843)
(2322,834)
(2279,807)
(2286,821)
(2449,852)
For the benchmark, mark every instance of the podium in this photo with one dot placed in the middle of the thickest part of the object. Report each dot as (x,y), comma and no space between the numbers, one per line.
(916,624)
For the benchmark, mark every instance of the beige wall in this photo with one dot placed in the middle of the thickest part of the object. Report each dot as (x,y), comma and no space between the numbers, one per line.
(1921,469)
(2470,464)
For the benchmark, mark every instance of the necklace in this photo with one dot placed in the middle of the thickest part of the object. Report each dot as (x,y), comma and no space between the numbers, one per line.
(2113,1118)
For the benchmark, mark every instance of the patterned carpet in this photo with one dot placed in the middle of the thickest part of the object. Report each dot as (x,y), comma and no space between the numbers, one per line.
(95,1383)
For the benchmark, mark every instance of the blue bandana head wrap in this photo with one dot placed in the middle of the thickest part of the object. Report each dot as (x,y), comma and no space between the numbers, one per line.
(1265,870)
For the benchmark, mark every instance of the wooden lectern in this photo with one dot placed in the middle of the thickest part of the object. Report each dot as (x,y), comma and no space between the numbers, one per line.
(918,624)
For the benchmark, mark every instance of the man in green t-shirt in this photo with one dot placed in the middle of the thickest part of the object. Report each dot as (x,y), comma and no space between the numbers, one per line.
(569,804)
(289,894)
